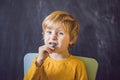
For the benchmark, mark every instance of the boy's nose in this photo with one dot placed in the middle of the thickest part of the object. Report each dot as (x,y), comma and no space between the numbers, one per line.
(54,37)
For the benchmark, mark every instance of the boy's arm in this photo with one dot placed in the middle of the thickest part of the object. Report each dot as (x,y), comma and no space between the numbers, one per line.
(33,72)
(81,73)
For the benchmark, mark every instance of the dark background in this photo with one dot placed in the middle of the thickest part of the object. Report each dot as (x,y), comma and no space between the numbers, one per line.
(99,36)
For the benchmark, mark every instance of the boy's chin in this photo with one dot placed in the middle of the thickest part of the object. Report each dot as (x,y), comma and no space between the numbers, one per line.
(55,51)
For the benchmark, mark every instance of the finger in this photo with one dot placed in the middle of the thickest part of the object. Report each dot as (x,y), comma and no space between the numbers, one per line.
(49,50)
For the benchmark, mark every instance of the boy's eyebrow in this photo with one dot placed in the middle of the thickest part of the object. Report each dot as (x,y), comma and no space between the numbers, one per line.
(60,29)
(48,27)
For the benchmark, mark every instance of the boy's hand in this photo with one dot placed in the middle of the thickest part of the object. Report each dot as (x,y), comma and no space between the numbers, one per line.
(44,52)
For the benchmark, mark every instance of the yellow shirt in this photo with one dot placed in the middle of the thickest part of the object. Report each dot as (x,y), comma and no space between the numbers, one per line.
(68,69)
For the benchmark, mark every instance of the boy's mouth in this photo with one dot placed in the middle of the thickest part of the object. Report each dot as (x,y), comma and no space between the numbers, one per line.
(53,44)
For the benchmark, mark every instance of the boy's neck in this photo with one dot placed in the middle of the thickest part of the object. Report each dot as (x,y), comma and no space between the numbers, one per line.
(60,56)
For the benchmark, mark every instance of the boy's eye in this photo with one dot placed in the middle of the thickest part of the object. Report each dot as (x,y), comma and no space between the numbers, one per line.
(60,33)
(49,32)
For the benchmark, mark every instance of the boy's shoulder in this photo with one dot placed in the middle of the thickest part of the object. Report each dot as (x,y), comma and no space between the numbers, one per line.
(75,59)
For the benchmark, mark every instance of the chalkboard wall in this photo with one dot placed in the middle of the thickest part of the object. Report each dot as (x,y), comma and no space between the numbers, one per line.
(99,36)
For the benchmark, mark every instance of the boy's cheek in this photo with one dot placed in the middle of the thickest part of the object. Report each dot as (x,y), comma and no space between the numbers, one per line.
(45,37)
(45,41)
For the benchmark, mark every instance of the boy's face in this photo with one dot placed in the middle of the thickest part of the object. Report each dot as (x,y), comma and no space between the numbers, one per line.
(56,37)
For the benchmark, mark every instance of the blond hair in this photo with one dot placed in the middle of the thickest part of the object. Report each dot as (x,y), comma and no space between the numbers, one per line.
(70,24)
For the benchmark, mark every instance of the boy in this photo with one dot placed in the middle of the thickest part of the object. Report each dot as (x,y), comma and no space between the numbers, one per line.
(54,62)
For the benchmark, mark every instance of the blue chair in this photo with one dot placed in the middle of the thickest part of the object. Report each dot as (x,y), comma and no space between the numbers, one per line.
(90,64)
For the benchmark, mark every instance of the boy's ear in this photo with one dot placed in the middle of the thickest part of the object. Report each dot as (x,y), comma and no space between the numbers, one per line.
(71,42)
(42,33)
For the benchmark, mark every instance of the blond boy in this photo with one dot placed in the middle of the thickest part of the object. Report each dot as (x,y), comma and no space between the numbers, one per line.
(54,62)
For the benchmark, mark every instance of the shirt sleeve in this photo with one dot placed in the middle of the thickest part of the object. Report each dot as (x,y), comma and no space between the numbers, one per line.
(81,72)
(33,72)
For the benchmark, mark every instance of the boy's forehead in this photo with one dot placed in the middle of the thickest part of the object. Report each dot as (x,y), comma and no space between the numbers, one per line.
(55,27)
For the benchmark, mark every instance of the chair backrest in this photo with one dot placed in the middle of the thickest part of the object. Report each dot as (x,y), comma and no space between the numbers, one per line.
(90,63)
